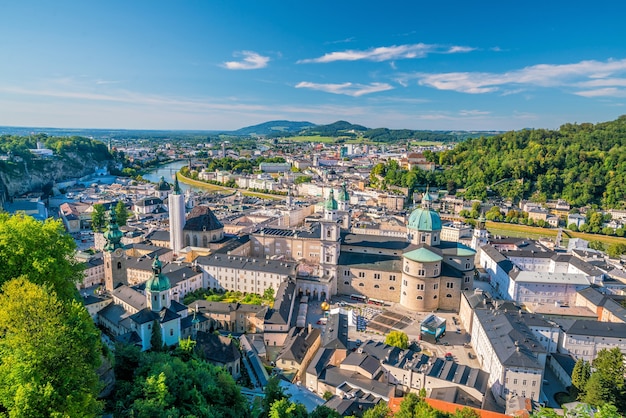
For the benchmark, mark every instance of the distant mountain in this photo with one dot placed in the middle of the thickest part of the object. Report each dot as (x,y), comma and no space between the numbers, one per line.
(339,128)
(280,127)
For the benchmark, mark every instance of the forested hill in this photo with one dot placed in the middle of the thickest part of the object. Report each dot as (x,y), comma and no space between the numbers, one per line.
(581,163)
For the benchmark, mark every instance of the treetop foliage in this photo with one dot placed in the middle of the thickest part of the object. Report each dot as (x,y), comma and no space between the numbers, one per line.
(49,352)
(581,163)
(41,252)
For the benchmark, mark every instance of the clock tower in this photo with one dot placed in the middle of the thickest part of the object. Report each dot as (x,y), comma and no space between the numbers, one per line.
(114,255)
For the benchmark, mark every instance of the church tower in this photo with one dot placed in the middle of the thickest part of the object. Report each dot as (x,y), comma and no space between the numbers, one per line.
(480,236)
(114,255)
(343,202)
(176,206)
(158,288)
(330,207)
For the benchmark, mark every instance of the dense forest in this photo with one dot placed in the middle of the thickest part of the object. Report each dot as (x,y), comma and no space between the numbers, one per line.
(581,163)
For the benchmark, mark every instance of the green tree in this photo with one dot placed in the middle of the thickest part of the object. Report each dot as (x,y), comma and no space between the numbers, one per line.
(606,383)
(121,213)
(397,339)
(156,338)
(327,395)
(408,405)
(98,217)
(323,411)
(596,245)
(42,252)
(273,392)
(381,410)
(615,250)
(284,408)
(49,353)
(168,386)
(580,377)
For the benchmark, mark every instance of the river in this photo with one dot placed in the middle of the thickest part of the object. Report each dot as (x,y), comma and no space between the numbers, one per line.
(168,171)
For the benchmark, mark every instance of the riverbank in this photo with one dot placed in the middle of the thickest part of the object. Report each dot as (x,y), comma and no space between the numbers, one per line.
(214,187)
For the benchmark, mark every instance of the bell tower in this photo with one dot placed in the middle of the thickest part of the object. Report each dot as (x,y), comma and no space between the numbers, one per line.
(114,255)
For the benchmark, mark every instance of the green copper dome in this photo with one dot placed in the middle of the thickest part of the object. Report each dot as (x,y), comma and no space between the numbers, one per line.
(163,186)
(343,194)
(159,282)
(113,235)
(331,203)
(424,220)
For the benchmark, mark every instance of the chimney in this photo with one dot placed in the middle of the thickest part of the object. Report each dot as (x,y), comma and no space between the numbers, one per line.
(310,329)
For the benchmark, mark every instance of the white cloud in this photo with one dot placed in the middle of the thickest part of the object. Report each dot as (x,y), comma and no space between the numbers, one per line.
(603,92)
(474,112)
(349,89)
(581,74)
(251,61)
(387,53)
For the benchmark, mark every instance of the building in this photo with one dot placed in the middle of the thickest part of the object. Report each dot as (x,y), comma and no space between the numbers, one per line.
(176,207)
(584,338)
(202,228)
(509,351)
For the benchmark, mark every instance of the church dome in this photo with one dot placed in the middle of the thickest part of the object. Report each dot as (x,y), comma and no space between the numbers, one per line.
(202,219)
(424,220)
(331,203)
(163,186)
(158,282)
(344,196)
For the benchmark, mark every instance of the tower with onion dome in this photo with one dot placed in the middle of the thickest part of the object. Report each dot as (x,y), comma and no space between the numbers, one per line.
(158,288)
(343,206)
(114,255)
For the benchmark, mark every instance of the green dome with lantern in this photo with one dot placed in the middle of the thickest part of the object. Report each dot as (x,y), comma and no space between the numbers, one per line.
(159,282)
(331,203)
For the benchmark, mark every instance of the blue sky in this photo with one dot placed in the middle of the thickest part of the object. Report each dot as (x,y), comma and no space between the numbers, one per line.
(445,65)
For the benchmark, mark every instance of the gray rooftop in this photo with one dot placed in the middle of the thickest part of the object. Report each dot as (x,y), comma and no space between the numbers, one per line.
(512,340)
(280,267)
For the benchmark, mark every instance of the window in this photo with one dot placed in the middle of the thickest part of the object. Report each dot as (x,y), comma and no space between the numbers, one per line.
(436,272)
(119,265)
(533,383)
(419,298)
(361,274)
(361,284)
(171,332)
(467,279)
(450,285)
(346,272)
(404,282)
(436,286)
(423,238)
(421,273)
(406,268)
(376,286)
(448,295)
(392,288)
(524,382)
(376,276)
(392,278)
(515,381)
(346,283)
(467,265)
(420,287)
(435,297)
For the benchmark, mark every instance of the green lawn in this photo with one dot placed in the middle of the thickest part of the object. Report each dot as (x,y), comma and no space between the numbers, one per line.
(534,232)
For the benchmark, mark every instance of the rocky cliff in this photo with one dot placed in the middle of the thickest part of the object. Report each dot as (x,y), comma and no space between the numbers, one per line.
(20,176)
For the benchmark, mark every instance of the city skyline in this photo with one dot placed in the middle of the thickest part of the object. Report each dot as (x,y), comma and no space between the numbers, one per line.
(223,66)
